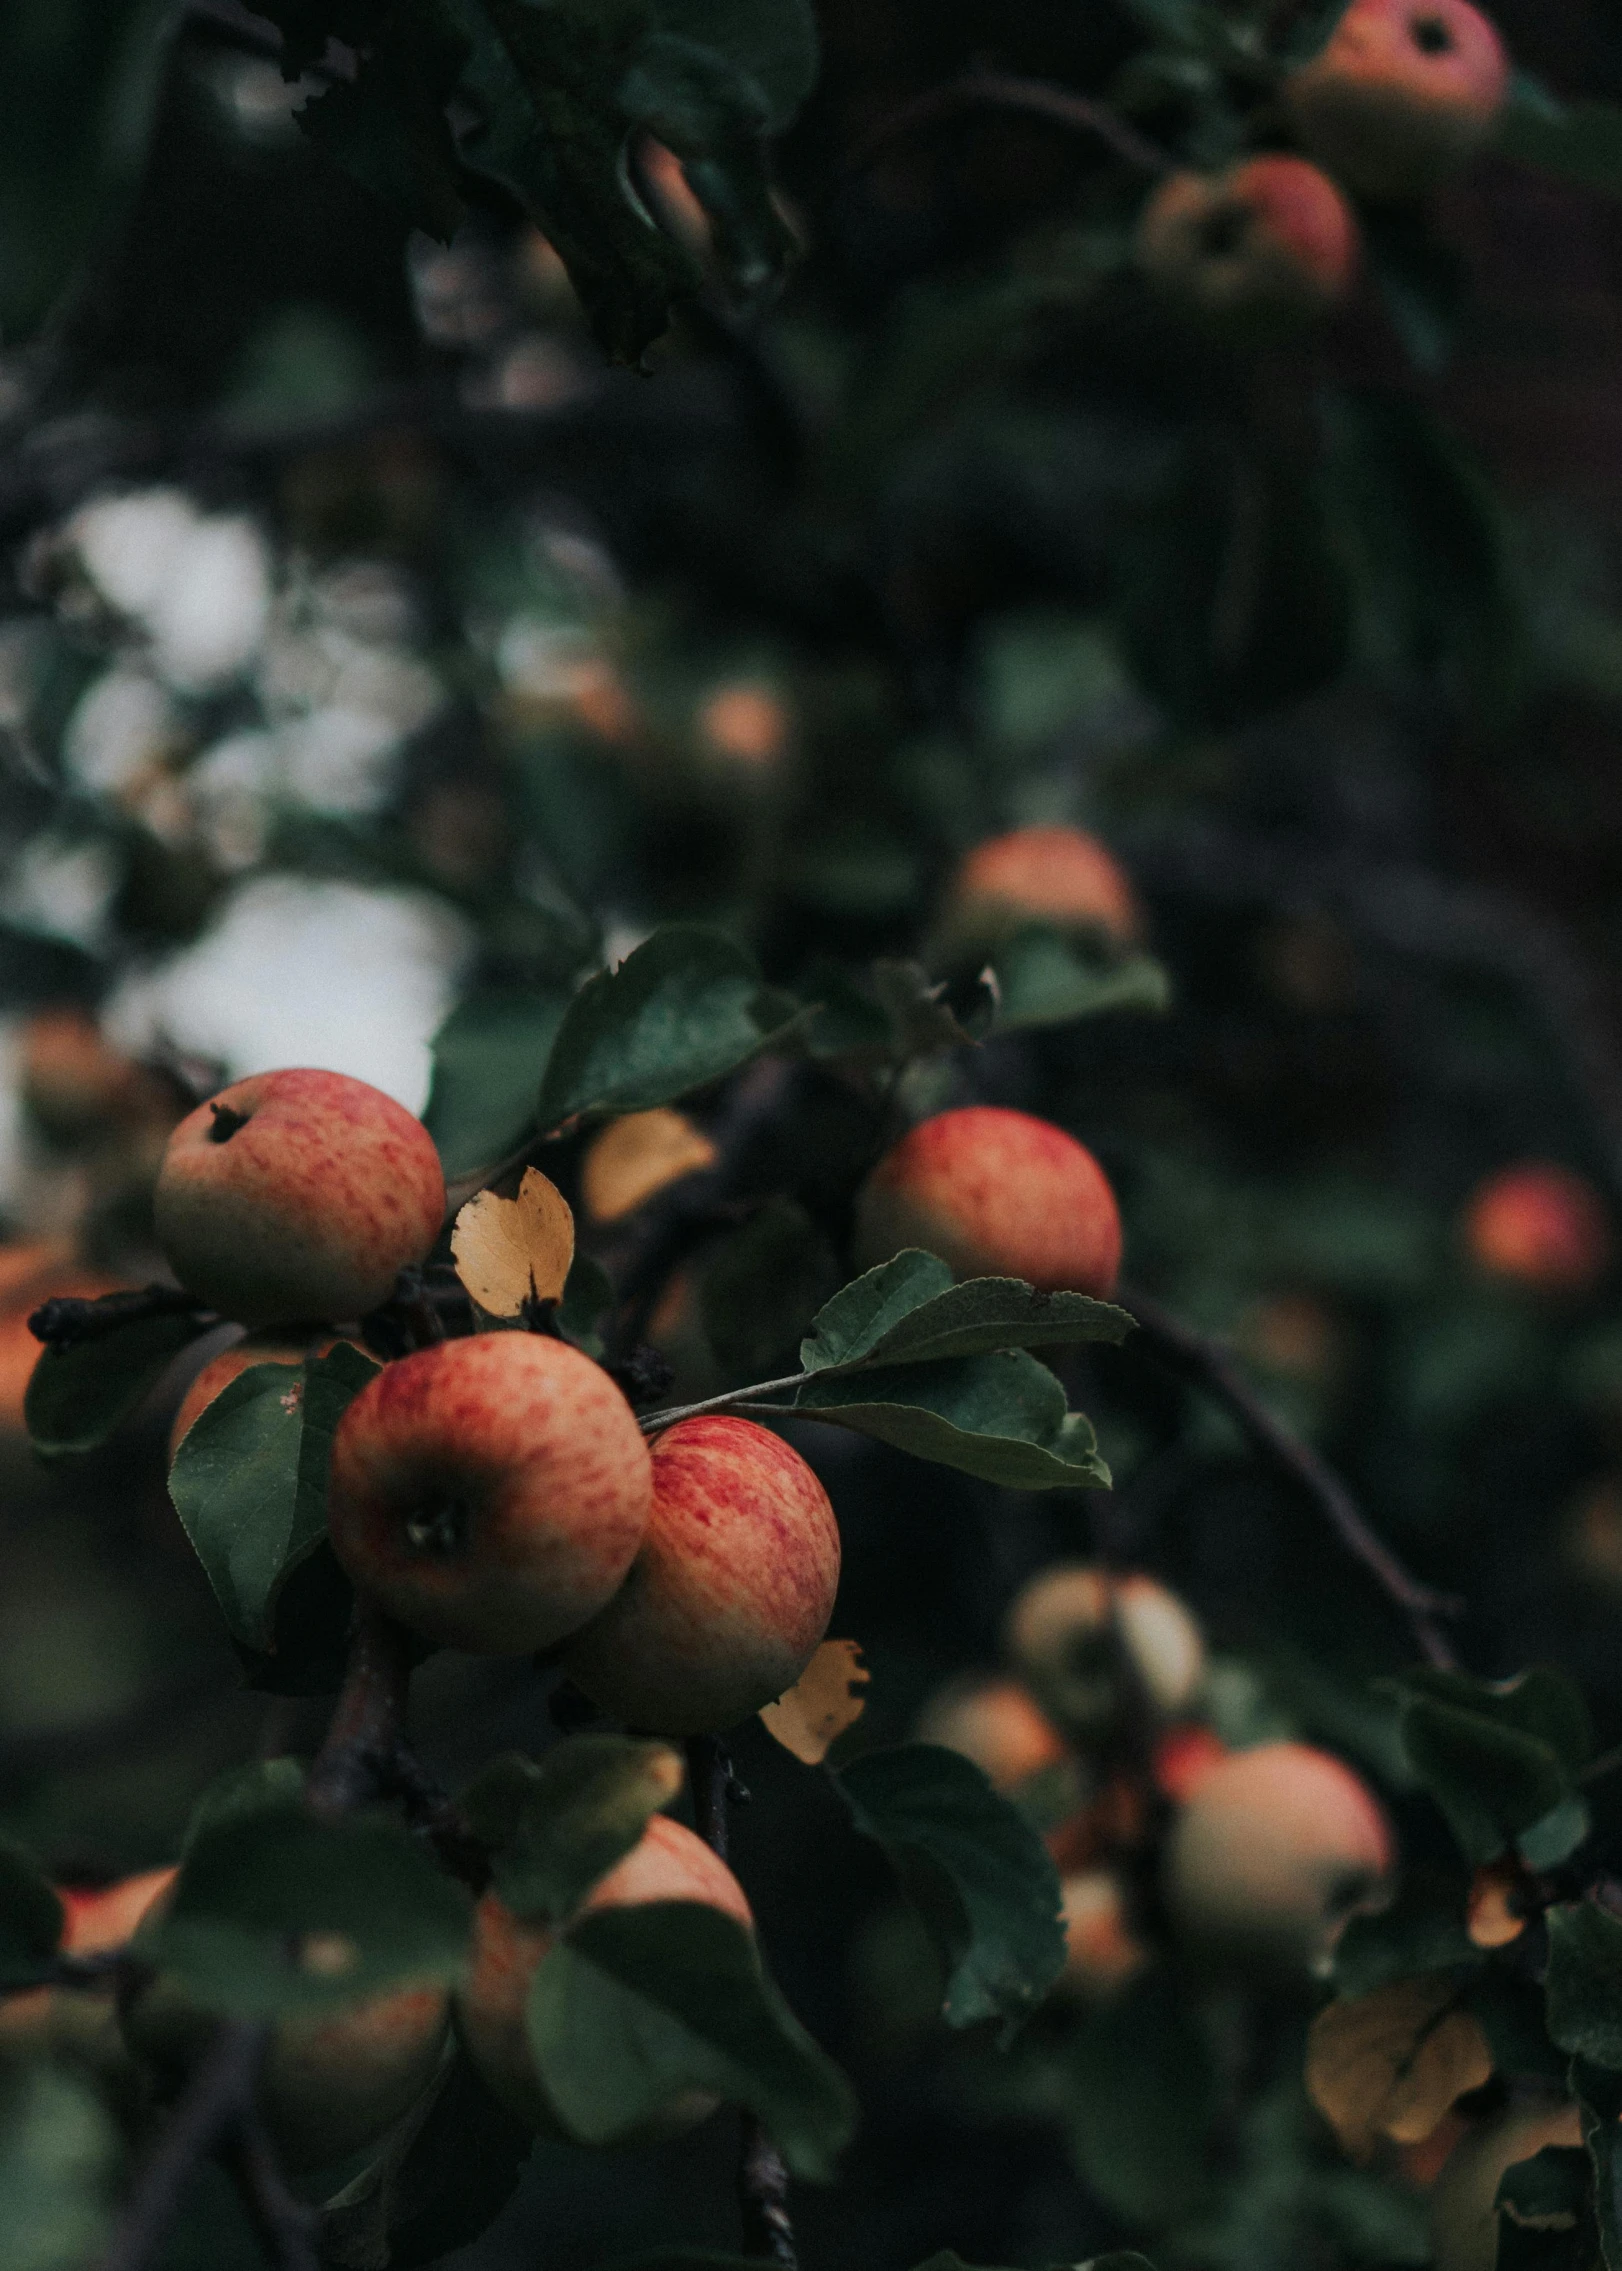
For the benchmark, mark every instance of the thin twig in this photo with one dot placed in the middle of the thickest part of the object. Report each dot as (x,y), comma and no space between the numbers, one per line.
(215,2102)
(1211,1367)
(768,2233)
(69,1320)
(285,2225)
(654,1422)
(999,90)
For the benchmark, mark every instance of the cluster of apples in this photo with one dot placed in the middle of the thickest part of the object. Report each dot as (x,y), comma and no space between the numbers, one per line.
(1403,94)
(1252,1860)
(333,2084)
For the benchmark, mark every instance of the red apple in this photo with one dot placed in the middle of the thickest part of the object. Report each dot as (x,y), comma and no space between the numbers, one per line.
(1270,242)
(278,1345)
(669,1863)
(995,1194)
(81,2023)
(491,1493)
(731,1593)
(1274,1850)
(998,1725)
(1065,1631)
(1040,875)
(1404,93)
(297,1195)
(1540,1226)
(1101,1949)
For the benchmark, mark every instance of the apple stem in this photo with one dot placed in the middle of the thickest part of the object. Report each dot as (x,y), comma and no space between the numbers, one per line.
(654,1422)
(68,1320)
(365,1733)
(1210,1366)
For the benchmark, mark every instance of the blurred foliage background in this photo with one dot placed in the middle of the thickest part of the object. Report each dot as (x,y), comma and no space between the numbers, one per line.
(372,650)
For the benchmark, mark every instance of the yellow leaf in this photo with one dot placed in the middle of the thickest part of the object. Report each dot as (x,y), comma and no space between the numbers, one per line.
(638,1156)
(825,1700)
(1390,2064)
(508,1249)
(1492,1915)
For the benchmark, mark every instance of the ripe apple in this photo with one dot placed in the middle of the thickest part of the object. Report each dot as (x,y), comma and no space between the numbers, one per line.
(332,2082)
(491,1492)
(1404,93)
(1184,1756)
(998,1725)
(1274,1850)
(668,1863)
(994,1193)
(731,1592)
(297,1195)
(1271,242)
(74,1084)
(1040,875)
(1540,1226)
(81,2023)
(1463,2220)
(1102,1951)
(1067,1627)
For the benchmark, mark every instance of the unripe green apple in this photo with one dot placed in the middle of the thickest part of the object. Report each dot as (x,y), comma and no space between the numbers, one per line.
(998,1725)
(1463,2219)
(1404,93)
(726,1602)
(1067,1628)
(297,1195)
(1268,243)
(1274,1850)
(994,1193)
(1040,875)
(490,1493)
(668,1863)
(1540,1226)
(331,2083)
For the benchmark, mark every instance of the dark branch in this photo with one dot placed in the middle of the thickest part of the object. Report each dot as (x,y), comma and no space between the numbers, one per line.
(286,2227)
(68,1322)
(217,2100)
(1209,1366)
(363,1742)
(1034,98)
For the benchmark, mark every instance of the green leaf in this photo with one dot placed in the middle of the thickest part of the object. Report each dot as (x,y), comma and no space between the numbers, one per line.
(1579,142)
(1422,1930)
(78,84)
(636,2005)
(1044,978)
(59,2163)
(1584,1982)
(588,1295)
(909,1311)
(1001,1417)
(1140,2100)
(489,1056)
(1554,2182)
(686,1008)
(30,1920)
(276,1911)
(1599,2100)
(444,2176)
(1499,1760)
(265,1785)
(979,1875)
(559,90)
(77,1397)
(556,1826)
(249,1480)
(388,125)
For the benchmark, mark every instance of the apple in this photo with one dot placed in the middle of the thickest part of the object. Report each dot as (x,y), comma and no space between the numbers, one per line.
(294,1196)
(1101,1949)
(1403,94)
(668,1863)
(1463,2218)
(81,2023)
(332,2082)
(1274,1850)
(994,1193)
(1268,243)
(1040,875)
(1067,1628)
(490,1493)
(277,1345)
(726,1602)
(1540,1226)
(1184,1756)
(997,1724)
(74,1085)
